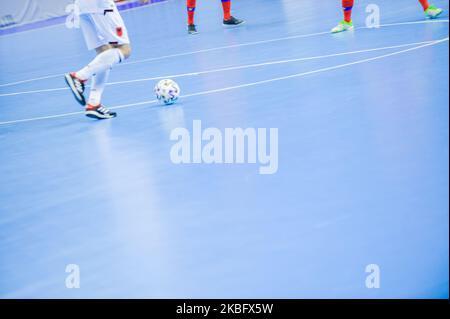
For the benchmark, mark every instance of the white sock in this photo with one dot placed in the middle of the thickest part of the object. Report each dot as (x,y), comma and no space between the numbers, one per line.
(98,86)
(104,61)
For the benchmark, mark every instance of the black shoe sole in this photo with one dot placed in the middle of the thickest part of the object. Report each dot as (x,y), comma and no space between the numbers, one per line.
(233,25)
(95,115)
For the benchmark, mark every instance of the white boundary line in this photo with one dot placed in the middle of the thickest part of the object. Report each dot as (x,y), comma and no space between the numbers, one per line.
(35,91)
(232,46)
(321,70)
(247,66)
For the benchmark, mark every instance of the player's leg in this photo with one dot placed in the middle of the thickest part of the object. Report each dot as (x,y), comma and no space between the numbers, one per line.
(430,10)
(112,28)
(107,57)
(191,4)
(103,61)
(346,24)
(228,19)
(98,83)
(93,41)
(94,107)
(106,32)
(99,31)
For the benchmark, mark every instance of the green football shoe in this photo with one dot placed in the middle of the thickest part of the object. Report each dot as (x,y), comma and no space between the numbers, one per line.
(432,12)
(343,26)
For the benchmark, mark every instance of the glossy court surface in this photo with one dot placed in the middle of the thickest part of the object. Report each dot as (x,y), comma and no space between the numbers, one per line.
(362,173)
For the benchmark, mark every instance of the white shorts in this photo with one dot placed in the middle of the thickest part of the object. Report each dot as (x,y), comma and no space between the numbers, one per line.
(103,28)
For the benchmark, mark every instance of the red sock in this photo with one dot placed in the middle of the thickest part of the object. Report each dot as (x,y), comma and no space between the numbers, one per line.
(226,4)
(424,4)
(347,5)
(191,11)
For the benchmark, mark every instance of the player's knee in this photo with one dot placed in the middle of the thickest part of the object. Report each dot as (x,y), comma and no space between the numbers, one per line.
(126,50)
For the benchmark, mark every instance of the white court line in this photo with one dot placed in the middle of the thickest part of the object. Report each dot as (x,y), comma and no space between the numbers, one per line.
(35,91)
(274,40)
(298,75)
(248,66)
(75,113)
(231,46)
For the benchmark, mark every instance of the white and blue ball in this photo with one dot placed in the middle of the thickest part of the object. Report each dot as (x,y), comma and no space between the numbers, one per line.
(167,91)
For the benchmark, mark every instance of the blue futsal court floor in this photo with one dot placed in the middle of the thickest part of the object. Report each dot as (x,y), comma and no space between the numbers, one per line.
(363,120)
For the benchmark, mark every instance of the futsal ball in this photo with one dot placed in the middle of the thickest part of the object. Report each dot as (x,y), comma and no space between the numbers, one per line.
(167,91)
